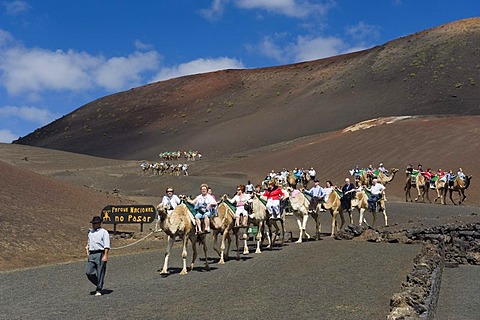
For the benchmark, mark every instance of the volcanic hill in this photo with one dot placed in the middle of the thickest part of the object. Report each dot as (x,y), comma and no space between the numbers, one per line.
(433,72)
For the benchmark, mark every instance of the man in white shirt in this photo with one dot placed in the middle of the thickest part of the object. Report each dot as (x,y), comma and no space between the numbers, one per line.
(97,248)
(376,191)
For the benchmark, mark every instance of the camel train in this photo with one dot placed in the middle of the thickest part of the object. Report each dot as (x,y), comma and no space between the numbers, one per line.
(181,224)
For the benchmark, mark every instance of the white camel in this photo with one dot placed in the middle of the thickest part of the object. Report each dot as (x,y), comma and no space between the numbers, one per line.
(300,205)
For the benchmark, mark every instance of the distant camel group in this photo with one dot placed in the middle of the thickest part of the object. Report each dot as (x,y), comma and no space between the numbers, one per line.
(161,168)
(177,155)
(441,188)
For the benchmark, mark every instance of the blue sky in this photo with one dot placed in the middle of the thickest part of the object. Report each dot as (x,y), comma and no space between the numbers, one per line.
(57,55)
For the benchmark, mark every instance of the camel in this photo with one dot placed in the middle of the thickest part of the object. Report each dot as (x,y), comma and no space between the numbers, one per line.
(460,186)
(277,224)
(360,202)
(384,179)
(365,178)
(291,180)
(334,206)
(440,189)
(257,218)
(305,178)
(222,223)
(180,223)
(300,204)
(421,186)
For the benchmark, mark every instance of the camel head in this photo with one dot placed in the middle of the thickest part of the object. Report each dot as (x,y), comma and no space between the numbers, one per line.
(162,211)
(467,181)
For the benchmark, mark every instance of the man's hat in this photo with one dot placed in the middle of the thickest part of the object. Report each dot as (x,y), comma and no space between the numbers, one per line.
(96,219)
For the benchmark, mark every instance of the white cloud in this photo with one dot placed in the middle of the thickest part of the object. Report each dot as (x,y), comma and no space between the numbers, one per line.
(15,7)
(31,114)
(121,72)
(7,136)
(198,66)
(35,70)
(270,49)
(5,38)
(215,11)
(307,48)
(362,31)
(304,48)
(139,45)
(290,8)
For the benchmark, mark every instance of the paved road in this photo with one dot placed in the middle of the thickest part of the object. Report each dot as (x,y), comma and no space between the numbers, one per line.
(327,279)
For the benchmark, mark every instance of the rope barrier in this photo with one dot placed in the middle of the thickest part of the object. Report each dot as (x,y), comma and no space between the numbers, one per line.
(131,244)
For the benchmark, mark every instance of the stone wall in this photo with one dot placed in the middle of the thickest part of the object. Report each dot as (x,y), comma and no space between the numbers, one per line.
(444,246)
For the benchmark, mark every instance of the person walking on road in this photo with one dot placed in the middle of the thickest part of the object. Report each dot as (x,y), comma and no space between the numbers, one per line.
(97,248)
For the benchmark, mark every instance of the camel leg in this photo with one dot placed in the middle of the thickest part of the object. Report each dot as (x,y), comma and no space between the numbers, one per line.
(215,243)
(384,210)
(427,188)
(334,223)
(270,236)
(282,222)
(259,238)
(194,248)
(204,241)
(361,211)
(451,196)
(300,237)
(222,248)
(419,194)
(374,214)
(343,220)
(304,225)
(245,246)
(164,270)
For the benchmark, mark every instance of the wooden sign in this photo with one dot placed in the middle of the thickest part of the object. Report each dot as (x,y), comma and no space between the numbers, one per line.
(128,214)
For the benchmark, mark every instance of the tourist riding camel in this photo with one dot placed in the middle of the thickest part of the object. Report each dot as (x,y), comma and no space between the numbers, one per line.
(273,195)
(180,223)
(376,190)
(240,200)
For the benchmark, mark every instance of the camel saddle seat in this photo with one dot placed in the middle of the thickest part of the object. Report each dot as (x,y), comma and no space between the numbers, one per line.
(232,207)
(190,207)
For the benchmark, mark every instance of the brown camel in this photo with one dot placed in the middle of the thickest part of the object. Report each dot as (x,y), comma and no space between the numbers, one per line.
(384,179)
(460,186)
(420,184)
(365,179)
(180,223)
(360,202)
(440,189)
(334,206)
(291,180)
(305,178)
(222,223)
(422,188)
(276,227)
(257,218)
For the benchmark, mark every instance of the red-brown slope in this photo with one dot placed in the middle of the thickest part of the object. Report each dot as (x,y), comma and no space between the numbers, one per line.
(42,218)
